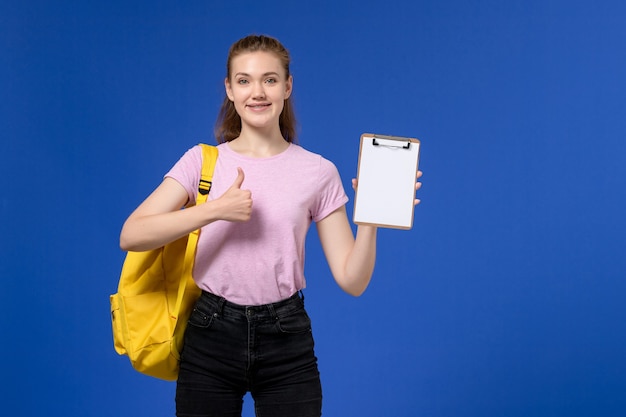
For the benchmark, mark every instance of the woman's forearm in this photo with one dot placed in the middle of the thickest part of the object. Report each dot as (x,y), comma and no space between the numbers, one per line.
(360,262)
(153,231)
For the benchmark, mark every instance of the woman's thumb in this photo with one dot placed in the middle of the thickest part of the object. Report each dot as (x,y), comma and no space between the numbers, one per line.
(240,177)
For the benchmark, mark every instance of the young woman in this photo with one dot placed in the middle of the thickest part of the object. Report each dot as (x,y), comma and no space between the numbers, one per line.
(249,331)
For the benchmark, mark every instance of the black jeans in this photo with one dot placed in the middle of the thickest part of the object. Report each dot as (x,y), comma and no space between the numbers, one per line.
(231,349)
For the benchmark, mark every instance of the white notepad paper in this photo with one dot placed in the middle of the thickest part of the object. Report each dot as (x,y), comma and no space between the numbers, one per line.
(386,181)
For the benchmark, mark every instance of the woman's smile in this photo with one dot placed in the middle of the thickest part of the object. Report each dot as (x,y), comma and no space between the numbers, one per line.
(259,107)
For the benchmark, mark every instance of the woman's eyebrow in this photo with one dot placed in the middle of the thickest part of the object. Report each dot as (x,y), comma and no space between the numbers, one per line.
(245,74)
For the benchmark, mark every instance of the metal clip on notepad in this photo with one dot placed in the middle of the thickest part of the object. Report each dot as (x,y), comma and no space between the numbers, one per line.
(406,146)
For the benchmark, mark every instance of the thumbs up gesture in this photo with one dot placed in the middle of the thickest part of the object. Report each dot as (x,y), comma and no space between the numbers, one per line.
(236,203)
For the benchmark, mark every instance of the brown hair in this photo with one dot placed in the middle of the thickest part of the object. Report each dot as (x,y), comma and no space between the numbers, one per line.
(228,124)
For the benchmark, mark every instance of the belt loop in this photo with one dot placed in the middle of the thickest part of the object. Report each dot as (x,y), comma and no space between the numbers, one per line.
(301,295)
(220,305)
(270,308)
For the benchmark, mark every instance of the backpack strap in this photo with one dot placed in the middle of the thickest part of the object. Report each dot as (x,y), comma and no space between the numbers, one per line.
(209,158)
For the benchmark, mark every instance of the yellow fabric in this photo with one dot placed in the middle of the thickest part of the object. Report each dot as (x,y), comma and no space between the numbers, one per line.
(155,295)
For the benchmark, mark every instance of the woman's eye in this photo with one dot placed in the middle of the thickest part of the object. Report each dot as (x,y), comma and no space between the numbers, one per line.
(270,80)
(242,81)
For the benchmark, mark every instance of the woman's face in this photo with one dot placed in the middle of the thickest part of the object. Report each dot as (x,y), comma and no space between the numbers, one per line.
(258,87)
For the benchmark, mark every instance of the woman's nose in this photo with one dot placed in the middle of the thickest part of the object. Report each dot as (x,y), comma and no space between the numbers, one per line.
(258,91)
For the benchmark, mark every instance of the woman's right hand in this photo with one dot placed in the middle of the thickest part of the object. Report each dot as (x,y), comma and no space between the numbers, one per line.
(235,205)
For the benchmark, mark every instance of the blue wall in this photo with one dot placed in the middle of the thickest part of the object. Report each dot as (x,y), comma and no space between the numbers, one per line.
(506,298)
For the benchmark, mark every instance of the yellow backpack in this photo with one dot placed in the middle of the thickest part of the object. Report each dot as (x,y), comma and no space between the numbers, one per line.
(156,294)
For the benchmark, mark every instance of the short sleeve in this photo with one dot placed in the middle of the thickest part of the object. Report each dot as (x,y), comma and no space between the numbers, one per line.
(331,194)
(187,171)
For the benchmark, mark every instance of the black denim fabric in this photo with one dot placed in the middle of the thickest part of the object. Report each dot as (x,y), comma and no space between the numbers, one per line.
(266,350)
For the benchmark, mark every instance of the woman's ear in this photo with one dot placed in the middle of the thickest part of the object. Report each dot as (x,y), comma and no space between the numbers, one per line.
(229,90)
(288,87)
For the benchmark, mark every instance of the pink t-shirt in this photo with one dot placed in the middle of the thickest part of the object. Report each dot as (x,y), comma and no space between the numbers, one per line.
(261,261)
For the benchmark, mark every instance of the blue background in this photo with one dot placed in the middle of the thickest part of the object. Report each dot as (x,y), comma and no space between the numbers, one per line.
(506,298)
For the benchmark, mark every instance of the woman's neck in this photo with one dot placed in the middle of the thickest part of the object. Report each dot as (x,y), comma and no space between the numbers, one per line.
(258,145)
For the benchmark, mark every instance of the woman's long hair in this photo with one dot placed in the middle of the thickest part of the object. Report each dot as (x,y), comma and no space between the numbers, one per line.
(228,125)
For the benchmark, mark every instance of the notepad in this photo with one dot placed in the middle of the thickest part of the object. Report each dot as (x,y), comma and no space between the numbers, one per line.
(386,181)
